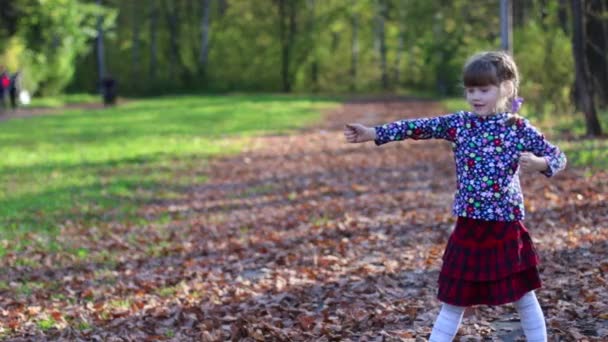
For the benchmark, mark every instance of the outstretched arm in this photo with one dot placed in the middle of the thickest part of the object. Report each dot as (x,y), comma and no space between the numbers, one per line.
(357,133)
(439,127)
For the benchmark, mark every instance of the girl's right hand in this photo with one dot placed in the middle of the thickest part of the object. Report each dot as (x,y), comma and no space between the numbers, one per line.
(357,133)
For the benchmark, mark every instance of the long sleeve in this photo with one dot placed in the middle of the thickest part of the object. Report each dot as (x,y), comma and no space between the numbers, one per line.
(440,127)
(535,142)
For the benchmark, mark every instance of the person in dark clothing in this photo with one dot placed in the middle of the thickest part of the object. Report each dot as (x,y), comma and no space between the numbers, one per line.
(4,87)
(14,88)
(108,88)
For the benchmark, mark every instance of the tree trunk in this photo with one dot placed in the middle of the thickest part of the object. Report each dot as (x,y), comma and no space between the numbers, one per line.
(583,83)
(519,11)
(222,7)
(354,55)
(284,46)
(605,61)
(400,44)
(135,58)
(440,51)
(287,28)
(10,12)
(291,39)
(597,43)
(562,15)
(314,66)
(382,9)
(101,63)
(205,32)
(172,17)
(400,47)
(153,40)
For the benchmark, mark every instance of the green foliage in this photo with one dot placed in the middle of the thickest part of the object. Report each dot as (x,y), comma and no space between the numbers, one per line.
(544,56)
(245,51)
(154,47)
(98,165)
(427,44)
(51,34)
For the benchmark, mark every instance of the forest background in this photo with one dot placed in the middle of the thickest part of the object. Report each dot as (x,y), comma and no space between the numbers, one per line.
(299,46)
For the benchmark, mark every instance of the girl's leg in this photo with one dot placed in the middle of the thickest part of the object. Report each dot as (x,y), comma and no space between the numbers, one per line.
(532,318)
(447,323)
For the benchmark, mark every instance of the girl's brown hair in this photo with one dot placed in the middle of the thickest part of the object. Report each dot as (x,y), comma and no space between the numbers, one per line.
(492,68)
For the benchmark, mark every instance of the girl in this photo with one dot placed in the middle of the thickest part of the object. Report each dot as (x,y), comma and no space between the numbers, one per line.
(489,258)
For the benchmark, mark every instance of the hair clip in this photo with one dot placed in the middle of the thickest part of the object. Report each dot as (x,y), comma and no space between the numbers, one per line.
(516,104)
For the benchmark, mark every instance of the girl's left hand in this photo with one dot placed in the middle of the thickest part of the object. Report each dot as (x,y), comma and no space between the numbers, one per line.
(530,162)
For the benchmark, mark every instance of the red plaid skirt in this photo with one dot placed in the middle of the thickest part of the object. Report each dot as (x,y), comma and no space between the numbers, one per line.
(488,262)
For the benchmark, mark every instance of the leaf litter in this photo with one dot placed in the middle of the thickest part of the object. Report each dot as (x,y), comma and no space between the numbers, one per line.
(304,237)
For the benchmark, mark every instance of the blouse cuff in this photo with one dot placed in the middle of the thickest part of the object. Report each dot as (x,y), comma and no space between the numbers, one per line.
(381,136)
(552,166)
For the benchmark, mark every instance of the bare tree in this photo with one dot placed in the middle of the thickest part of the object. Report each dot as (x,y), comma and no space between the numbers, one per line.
(583,83)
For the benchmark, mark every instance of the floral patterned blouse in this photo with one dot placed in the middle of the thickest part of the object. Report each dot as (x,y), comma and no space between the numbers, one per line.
(486,151)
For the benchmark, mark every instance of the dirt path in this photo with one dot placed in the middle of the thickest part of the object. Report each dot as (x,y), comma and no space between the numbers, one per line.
(385,217)
(306,238)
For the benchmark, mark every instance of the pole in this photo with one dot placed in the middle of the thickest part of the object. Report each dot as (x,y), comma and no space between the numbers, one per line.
(506,25)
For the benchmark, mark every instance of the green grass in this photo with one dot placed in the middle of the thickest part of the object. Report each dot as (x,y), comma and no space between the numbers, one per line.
(66,99)
(46,324)
(586,153)
(453,104)
(103,164)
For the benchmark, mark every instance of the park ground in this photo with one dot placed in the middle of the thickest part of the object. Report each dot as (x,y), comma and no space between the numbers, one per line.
(293,236)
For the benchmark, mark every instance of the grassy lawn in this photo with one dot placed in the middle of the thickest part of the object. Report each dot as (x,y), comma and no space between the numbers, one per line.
(103,164)
(65,99)
(588,153)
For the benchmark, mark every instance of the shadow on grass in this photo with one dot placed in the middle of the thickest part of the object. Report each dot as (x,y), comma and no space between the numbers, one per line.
(115,186)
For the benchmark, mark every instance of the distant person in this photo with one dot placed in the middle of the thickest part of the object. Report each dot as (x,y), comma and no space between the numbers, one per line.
(489,258)
(108,89)
(5,83)
(15,89)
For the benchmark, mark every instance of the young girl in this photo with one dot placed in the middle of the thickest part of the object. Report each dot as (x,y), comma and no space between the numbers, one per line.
(489,258)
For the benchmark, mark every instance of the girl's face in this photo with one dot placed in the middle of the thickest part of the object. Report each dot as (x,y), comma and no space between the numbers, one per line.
(484,100)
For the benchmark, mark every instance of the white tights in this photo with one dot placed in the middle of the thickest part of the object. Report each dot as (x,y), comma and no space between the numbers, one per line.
(530,313)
